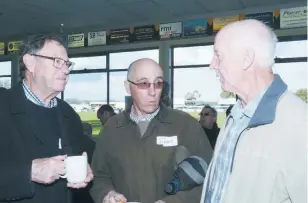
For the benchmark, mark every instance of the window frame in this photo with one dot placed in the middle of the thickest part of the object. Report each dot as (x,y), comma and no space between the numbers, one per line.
(277,60)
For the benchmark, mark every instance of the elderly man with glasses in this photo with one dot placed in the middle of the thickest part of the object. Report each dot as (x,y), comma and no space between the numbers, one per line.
(134,159)
(38,131)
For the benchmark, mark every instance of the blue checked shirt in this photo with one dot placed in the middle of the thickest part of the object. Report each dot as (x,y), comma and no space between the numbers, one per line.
(236,124)
(33,98)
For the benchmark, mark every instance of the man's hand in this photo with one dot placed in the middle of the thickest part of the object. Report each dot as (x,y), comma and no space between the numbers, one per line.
(87,180)
(114,197)
(47,170)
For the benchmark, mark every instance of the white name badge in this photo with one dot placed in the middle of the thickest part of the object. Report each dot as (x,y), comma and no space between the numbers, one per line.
(167,141)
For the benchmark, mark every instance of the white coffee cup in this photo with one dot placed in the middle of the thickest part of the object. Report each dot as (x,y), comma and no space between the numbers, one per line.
(76,169)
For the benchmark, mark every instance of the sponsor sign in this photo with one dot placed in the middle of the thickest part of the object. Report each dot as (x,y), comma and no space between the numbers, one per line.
(266,17)
(293,17)
(147,32)
(75,40)
(195,27)
(218,23)
(170,30)
(2,46)
(14,46)
(118,36)
(97,38)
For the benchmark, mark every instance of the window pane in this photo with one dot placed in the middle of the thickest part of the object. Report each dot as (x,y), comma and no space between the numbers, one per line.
(5,82)
(292,49)
(195,87)
(124,59)
(86,93)
(5,68)
(293,74)
(87,63)
(198,55)
(117,90)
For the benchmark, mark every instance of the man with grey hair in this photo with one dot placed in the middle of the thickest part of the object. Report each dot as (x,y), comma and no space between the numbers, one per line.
(38,131)
(261,153)
(135,158)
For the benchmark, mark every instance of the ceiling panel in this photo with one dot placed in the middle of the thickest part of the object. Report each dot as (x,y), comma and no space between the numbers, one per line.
(147,9)
(181,7)
(36,16)
(125,1)
(220,5)
(251,3)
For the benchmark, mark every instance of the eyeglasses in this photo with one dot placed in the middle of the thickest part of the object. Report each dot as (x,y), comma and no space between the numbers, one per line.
(147,85)
(205,114)
(57,62)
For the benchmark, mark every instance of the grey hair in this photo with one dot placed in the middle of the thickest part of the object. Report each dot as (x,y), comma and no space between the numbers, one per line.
(34,45)
(266,49)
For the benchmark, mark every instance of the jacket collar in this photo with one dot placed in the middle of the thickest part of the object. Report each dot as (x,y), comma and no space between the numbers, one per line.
(266,110)
(163,116)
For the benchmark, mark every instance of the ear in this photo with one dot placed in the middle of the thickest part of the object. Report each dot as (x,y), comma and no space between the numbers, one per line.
(29,62)
(249,57)
(126,85)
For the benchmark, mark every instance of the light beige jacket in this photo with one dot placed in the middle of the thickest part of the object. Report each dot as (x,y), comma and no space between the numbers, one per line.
(270,160)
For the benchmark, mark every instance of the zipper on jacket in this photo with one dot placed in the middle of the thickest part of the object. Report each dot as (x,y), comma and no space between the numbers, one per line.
(232,161)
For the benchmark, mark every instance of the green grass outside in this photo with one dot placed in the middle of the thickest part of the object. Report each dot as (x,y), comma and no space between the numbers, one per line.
(91,118)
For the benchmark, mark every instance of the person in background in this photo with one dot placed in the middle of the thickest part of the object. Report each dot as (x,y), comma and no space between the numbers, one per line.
(87,129)
(38,130)
(134,159)
(104,113)
(165,99)
(260,154)
(208,121)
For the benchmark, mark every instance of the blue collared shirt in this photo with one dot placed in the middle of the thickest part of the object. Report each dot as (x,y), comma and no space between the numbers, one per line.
(33,98)
(237,122)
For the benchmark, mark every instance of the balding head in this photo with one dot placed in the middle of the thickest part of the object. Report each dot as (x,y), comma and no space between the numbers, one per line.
(144,62)
(254,35)
(244,54)
(144,83)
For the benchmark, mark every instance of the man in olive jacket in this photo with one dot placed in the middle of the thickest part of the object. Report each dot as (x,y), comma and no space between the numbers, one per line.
(134,158)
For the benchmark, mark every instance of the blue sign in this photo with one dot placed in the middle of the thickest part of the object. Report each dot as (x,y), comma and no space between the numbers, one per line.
(195,27)
(266,18)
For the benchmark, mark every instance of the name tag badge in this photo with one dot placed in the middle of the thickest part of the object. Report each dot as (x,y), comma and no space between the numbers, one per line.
(167,141)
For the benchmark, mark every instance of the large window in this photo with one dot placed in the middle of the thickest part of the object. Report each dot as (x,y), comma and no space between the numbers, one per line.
(117,89)
(195,87)
(123,59)
(89,63)
(5,74)
(198,55)
(293,74)
(292,49)
(86,93)
(86,90)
